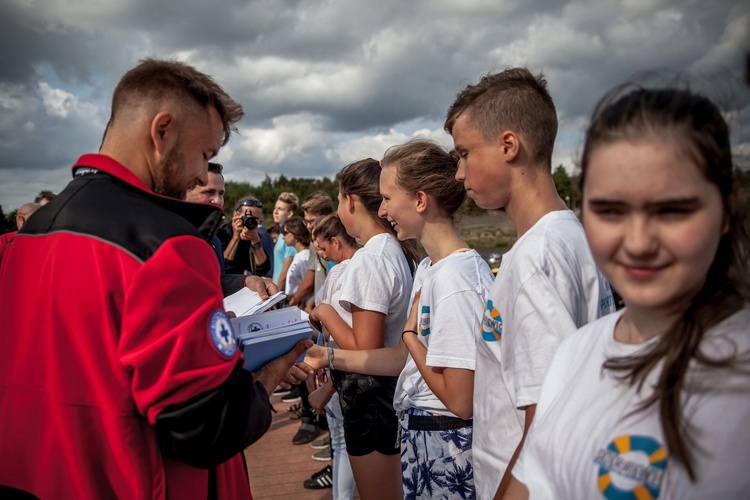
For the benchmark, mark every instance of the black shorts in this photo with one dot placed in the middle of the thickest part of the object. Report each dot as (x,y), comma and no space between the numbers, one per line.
(370,422)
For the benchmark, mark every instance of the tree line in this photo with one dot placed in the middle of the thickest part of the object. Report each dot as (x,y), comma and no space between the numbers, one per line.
(269,189)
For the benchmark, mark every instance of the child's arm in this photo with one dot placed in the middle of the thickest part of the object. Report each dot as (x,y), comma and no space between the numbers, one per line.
(320,397)
(369,325)
(387,361)
(284,269)
(454,387)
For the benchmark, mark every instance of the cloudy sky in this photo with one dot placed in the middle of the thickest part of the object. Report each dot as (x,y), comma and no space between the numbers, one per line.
(325,82)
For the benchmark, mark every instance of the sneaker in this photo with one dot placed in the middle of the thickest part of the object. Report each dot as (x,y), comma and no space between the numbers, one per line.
(323,455)
(292,397)
(281,392)
(321,443)
(307,432)
(320,480)
(296,410)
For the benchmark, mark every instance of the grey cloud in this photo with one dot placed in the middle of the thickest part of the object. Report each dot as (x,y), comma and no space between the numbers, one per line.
(348,71)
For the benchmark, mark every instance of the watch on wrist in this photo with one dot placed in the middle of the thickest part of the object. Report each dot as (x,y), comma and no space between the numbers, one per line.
(257,245)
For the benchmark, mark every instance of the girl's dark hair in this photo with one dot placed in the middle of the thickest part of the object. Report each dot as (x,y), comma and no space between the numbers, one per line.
(694,125)
(362,178)
(425,166)
(296,226)
(331,226)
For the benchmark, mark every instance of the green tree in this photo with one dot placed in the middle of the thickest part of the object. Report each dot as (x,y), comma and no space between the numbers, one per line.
(269,189)
(43,193)
(7,223)
(562,182)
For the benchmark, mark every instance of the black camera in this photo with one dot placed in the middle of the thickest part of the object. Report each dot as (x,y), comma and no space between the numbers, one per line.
(250,222)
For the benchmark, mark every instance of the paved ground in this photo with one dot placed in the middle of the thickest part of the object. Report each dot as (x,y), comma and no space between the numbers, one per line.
(276,467)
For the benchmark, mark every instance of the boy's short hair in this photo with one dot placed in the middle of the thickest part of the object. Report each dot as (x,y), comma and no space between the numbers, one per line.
(515,100)
(290,199)
(318,203)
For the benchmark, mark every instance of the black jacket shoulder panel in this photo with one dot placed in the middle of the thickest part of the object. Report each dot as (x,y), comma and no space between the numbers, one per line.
(102,206)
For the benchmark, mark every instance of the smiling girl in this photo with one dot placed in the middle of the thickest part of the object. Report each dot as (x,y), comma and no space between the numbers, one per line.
(374,289)
(435,358)
(653,401)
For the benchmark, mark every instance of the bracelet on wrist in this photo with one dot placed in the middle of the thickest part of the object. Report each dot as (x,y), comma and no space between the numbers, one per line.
(330,359)
(408,331)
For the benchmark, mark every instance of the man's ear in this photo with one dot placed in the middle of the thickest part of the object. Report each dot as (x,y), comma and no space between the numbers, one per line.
(510,144)
(163,133)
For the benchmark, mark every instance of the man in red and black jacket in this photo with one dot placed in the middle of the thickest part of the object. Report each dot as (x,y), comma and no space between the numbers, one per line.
(119,374)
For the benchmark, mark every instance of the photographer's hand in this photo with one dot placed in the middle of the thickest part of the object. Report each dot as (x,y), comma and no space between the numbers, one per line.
(231,248)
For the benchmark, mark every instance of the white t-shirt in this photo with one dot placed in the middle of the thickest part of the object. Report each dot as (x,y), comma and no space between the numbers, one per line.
(451,305)
(319,265)
(329,294)
(297,271)
(547,287)
(378,279)
(584,443)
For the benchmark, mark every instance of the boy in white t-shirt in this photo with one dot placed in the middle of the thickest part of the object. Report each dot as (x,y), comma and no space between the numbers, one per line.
(296,236)
(504,129)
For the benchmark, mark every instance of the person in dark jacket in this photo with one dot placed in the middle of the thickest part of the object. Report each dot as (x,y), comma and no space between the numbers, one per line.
(120,374)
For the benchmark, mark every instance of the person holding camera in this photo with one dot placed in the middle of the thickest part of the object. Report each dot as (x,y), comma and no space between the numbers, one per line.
(243,250)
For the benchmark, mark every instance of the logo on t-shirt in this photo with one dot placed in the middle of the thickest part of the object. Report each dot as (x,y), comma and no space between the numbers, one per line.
(631,467)
(492,324)
(220,332)
(424,321)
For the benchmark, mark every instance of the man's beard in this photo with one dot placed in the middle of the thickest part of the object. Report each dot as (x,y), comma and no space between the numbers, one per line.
(169,173)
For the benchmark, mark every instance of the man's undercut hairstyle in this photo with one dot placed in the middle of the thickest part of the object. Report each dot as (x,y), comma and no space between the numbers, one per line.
(290,199)
(318,203)
(514,100)
(216,168)
(161,80)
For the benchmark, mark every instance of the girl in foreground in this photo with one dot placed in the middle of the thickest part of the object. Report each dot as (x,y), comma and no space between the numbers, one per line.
(435,360)
(653,401)
(374,289)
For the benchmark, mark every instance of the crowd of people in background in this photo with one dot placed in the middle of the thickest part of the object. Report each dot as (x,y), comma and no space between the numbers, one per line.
(434,379)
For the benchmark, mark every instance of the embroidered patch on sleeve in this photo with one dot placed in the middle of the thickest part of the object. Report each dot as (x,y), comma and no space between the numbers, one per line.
(220,332)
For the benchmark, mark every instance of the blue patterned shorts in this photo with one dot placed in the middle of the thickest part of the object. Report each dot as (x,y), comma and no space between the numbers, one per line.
(437,464)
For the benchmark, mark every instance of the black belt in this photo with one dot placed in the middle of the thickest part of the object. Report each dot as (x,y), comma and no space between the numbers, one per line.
(436,423)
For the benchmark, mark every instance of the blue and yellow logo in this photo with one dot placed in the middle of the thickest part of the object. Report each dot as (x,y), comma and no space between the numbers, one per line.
(221,334)
(492,324)
(631,468)
(424,321)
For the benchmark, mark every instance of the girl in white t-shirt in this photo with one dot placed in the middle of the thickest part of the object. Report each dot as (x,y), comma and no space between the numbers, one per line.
(296,235)
(653,401)
(435,358)
(375,290)
(336,246)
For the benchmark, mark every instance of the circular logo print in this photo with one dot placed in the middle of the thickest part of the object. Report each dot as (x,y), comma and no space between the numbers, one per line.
(631,467)
(221,334)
